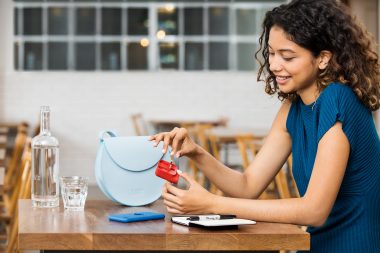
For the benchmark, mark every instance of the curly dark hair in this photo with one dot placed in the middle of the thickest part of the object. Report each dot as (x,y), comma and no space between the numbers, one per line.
(319,25)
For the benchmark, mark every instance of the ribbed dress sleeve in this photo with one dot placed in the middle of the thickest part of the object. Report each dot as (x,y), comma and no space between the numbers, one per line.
(339,103)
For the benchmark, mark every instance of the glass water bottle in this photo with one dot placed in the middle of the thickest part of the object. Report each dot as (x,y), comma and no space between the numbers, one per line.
(45,165)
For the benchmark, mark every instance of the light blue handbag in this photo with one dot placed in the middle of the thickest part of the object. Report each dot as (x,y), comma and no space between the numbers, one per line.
(125,169)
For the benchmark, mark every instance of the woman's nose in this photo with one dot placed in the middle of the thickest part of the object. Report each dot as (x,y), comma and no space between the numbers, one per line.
(275,65)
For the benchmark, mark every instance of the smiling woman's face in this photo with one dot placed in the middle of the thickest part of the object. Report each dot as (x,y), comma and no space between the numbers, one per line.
(295,67)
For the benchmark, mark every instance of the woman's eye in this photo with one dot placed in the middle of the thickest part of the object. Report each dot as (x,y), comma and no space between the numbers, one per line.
(288,58)
(271,53)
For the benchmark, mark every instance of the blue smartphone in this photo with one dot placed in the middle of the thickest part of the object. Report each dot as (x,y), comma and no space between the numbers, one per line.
(139,216)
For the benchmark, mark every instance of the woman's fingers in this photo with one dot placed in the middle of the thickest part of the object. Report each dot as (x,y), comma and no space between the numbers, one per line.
(176,138)
(174,190)
(170,200)
(174,211)
(172,205)
(158,138)
(167,142)
(179,149)
(168,196)
(177,144)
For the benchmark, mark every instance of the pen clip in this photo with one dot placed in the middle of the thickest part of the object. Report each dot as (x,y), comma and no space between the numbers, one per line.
(212,217)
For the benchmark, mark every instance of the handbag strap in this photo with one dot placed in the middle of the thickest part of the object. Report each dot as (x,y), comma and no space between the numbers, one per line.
(109,132)
(112,133)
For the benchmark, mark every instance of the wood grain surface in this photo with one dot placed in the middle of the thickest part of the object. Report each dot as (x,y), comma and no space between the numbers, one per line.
(59,229)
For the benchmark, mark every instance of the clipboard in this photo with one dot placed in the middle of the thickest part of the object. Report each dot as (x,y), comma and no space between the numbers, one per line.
(211,223)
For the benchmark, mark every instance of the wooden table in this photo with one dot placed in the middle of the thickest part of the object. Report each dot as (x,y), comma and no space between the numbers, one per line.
(56,229)
(4,130)
(229,134)
(226,136)
(169,123)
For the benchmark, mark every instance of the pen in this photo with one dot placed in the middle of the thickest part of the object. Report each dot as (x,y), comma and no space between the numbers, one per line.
(212,217)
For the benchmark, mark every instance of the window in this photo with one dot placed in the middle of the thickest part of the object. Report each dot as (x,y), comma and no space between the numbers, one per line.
(57,21)
(137,57)
(131,35)
(32,21)
(85,56)
(110,55)
(111,21)
(84,21)
(57,52)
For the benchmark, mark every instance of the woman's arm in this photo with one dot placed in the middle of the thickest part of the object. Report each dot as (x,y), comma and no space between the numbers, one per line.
(312,209)
(259,174)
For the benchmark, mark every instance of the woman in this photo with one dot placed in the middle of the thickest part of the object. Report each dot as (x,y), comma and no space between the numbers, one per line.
(320,63)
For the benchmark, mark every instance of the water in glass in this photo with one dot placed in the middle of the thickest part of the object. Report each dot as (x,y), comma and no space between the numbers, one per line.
(74,192)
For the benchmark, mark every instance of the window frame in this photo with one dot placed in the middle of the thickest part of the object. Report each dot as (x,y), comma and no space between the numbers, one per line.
(233,39)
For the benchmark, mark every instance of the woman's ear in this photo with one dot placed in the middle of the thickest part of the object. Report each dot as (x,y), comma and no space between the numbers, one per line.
(323,59)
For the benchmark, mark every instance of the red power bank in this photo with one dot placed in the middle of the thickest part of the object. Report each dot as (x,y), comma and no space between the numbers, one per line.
(167,171)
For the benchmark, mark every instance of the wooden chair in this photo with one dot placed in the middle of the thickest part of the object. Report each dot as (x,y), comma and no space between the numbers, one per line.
(36,130)
(198,134)
(24,193)
(22,190)
(223,121)
(139,124)
(196,172)
(9,204)
(292,184)
(246,144)
(211,143)
(14,163)
(215,151)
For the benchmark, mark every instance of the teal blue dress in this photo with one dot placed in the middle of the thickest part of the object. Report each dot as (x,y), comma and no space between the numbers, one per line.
(354,222)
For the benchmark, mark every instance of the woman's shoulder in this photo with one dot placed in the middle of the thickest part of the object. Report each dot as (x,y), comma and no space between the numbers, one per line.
(340,95)
(337,90)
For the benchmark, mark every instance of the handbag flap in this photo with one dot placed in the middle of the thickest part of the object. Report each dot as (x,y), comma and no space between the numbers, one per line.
(135,153)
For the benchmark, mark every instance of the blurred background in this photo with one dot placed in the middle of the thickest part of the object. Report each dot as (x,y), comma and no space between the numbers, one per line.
(137,67)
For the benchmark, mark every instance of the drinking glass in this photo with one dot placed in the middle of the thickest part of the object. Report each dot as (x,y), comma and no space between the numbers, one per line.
(74,192)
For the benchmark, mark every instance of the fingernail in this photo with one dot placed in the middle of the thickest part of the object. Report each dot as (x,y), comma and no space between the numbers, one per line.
(178,154)
(155,144)
(164,151)
(172,153)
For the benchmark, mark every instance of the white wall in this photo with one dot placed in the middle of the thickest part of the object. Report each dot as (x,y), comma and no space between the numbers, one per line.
(83,104)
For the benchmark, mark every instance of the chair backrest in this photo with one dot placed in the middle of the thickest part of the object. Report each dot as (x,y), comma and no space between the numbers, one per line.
(26,176)
(36,130)
(22,187)
(202,138)
(12,171)
(223,121)
(139,124)
(210,143)
(292,182)
(247,147)
(21,190)
(196,173)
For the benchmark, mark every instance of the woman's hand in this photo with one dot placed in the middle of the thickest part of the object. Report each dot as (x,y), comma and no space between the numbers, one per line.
(178,139)
(195,200)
